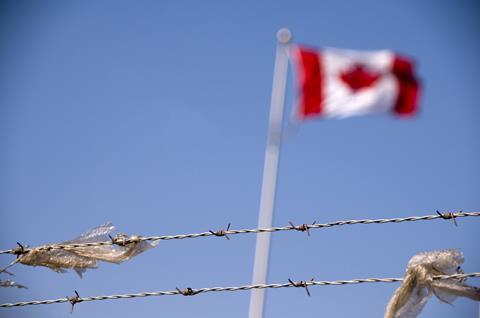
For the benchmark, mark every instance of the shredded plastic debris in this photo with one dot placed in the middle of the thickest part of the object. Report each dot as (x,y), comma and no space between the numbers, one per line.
(10,283)
(82,258)
(418,284)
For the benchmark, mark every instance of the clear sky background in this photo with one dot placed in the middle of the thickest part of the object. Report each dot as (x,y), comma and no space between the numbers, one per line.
(153,115)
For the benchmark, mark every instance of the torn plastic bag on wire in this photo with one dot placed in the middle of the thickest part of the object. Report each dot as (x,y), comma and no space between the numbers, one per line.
(418,284)
(10,283)
(82,258)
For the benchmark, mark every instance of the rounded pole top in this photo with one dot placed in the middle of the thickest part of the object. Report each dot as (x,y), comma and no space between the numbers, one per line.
(284,36)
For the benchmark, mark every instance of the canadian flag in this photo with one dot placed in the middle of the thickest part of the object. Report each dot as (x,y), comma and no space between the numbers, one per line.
(343,83)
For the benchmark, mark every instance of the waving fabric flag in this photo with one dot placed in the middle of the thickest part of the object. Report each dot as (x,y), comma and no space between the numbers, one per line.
(343,83)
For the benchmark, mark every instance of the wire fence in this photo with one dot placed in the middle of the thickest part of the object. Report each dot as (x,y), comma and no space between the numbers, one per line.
(228,232)
(191,292)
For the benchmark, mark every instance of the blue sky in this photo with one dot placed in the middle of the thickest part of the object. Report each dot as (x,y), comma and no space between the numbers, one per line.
(153,115)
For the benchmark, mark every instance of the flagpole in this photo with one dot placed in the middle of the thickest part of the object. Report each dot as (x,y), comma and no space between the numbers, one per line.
(270,172)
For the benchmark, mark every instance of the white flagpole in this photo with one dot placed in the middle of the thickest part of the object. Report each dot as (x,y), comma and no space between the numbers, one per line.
(270,172)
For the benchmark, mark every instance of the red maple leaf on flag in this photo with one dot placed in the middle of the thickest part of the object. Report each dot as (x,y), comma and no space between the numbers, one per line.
(359,77)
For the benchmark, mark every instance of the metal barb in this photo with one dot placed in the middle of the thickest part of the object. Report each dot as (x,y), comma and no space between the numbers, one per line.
(18,251)
(74,300)
(448,216)
(460,271)
(187,291)
(119,240)
(222,232)
(301,283)
(303,227)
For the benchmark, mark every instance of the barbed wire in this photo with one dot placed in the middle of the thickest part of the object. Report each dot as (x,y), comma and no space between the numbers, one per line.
(191,292)
(225,232)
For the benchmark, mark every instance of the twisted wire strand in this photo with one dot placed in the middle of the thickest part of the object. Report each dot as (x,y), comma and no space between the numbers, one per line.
(191,292)
(303,227)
